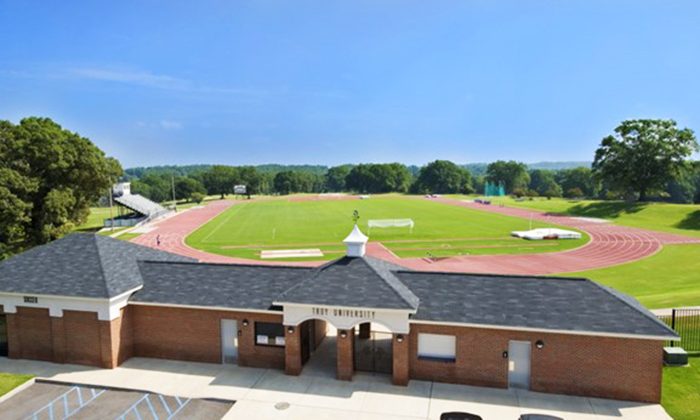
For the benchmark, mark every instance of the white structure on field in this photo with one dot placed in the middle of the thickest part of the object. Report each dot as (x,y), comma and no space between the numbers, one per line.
(546,233)
(385,223)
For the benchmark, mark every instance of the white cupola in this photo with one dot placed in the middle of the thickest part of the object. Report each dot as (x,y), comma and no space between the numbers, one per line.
(356,242)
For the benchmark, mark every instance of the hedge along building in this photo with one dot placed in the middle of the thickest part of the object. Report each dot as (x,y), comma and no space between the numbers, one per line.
(98,301)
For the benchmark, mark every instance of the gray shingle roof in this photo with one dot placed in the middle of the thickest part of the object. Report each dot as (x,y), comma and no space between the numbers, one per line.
(219,285)
(363,282)
(80,265)
(86,265)
(548,303)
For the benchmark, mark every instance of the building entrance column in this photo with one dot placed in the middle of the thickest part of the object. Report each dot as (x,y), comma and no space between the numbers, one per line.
(400,372)
(345,355)
(292,350)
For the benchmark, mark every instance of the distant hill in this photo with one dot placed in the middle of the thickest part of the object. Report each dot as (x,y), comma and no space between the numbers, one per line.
(555,166)
(479,169)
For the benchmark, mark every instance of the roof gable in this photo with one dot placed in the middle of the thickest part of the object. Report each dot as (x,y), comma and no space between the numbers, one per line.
(79,265)
(353,282)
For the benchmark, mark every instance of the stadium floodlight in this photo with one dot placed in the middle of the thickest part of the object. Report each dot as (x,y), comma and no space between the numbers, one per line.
(386,223)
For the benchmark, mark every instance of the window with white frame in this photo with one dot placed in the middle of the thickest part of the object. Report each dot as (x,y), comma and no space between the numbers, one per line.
(437,347)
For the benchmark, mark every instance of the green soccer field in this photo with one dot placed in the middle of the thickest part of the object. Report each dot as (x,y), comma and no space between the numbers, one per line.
(440,229)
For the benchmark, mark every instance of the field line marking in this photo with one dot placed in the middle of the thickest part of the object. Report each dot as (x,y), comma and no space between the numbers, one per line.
(236,207)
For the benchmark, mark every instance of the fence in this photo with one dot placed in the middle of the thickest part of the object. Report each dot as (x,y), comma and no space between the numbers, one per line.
(686,322)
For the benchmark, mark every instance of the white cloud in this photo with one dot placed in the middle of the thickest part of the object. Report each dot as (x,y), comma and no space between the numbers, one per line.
(130,77)
(170,125)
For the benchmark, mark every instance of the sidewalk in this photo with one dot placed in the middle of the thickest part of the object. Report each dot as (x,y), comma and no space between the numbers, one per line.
(270,394)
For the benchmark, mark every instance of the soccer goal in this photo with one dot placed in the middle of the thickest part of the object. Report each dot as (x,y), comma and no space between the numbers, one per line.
(386,223)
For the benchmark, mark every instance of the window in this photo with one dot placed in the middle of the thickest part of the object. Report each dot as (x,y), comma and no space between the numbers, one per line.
(437,347)
(269,334)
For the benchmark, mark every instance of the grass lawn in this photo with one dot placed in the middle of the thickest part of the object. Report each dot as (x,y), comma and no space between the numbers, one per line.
(245,229)
(681,219)
(681,397)
(95,220)
(128,236)
(10,381)
(670,278)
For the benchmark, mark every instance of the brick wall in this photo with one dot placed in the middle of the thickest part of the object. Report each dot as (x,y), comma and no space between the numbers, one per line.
(81,332)
(400,354)
(345,355)
(195,335)
(32,334)
(618,368)
(320,330)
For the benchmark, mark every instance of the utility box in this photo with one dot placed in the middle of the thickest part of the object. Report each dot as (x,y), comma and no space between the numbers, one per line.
(675,356)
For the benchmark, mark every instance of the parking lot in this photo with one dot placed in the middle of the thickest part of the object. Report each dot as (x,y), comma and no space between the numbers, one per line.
(53,401)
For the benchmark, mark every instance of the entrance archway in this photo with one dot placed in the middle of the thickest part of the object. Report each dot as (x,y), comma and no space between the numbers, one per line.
(373,349)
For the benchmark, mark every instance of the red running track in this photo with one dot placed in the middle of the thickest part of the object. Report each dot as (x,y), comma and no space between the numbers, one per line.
(609,245)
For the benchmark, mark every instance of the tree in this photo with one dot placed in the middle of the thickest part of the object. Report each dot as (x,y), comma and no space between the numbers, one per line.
(252,179)
(361,179)
(335,178)
(378,178)
(542,181)
(198,197)
(512,174)
(49,177)
(186,187)
(578,178)
(288,182)
(443,177)
(644,155)
(575,193)
(220,179)
(154,186)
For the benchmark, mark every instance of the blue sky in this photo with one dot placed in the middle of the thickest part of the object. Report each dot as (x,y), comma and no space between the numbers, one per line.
(331,82)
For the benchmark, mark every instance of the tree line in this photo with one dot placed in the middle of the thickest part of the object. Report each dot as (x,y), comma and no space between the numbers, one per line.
(49,176)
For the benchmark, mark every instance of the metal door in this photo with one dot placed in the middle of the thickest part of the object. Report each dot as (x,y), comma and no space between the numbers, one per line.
(229,340)
(374,354)
(3,336)
(519,364)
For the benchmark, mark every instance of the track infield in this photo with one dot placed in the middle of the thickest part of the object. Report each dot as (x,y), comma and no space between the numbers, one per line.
(609,244)
(247,229)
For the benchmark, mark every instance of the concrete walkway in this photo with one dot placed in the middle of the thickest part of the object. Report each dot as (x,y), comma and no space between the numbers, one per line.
(270,394)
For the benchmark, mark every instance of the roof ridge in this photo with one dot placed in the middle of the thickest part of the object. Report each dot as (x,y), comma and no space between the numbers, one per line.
(468,273)
(412,299)
(100,257)
(647,314)
(205,263)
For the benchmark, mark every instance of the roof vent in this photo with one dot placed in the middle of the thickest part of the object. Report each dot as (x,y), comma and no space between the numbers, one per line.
(356,242)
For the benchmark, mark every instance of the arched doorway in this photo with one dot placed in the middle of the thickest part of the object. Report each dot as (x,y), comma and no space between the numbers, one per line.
(373,348)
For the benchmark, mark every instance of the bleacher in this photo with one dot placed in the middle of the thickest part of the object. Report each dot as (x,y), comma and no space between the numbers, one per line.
(141,205)
(144,209)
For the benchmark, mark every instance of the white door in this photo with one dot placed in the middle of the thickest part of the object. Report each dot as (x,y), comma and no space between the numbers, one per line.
(229,340)
(519,364)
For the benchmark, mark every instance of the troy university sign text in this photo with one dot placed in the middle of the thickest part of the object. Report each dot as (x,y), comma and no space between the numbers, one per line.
(345,318)
(347,313)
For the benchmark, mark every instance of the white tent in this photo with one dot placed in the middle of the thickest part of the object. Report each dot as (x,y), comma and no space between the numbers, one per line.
(546,233)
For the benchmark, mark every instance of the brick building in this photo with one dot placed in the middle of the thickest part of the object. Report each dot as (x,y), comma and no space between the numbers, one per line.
(93,300)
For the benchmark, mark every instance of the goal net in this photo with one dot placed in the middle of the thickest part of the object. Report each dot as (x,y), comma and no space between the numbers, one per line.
(386,223)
